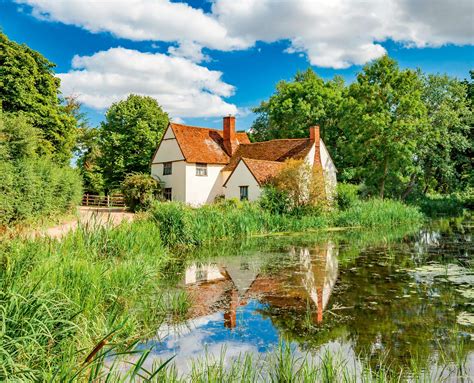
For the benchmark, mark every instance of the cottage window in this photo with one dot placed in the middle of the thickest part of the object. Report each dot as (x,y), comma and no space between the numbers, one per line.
(201,169)
(167,194)
(244,193)
(167,168)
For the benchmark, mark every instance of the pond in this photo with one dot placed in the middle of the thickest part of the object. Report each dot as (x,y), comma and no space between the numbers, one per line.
(373,296)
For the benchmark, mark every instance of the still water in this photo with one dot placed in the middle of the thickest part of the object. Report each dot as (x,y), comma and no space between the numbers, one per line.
(393,297)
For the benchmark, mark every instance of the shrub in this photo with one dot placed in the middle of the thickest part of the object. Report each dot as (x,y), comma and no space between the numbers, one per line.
(274,200)
(140,190)
(31,189)
(347,195)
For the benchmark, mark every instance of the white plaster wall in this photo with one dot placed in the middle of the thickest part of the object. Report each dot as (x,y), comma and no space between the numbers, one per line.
(176,180)
(330,172)
(242,177)
(203,189)
(168,149)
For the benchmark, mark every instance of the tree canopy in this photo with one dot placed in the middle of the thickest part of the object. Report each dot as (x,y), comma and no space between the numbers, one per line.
(124,143)
(393,131)
(29,87)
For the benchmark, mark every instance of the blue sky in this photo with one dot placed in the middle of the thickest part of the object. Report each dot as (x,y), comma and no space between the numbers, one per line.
(202,60)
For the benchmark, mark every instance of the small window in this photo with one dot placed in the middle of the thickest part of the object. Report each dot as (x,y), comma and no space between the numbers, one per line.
(167,168)
(201,169)
(167,194)
(244,193)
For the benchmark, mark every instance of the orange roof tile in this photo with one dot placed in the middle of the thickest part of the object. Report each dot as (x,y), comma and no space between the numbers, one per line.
(274,150)
(204,144)
(263,170)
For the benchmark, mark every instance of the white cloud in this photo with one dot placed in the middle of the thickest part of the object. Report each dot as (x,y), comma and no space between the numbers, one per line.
(332,33)
(183,88)
(139,20)
(189,50)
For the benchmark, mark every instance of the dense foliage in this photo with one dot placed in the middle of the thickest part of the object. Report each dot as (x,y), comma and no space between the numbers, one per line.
(31,185)
(140,190)
(398,133)
(29,87)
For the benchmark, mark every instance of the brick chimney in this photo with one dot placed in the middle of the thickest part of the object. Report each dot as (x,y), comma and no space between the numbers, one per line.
(314,136)
(230,138)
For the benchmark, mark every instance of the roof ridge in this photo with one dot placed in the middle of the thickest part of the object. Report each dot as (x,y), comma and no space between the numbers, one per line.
(278,139)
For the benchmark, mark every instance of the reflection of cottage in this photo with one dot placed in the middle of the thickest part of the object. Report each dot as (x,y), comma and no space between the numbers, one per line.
(196,164)
(310,280)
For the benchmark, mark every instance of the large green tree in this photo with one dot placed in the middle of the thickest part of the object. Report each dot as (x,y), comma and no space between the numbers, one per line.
(128,137)
(385,128)
(445,159)
(298,104)
(29,87)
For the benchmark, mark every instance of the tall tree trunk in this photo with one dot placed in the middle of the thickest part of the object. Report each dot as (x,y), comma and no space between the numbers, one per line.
(385,171)
(409,187)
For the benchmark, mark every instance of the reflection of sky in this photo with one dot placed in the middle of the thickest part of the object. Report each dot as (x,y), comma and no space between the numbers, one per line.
(207,336)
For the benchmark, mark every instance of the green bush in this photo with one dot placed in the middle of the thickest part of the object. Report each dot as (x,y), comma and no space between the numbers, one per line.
(31,189)
(274,200)
(140,190)
(347,195)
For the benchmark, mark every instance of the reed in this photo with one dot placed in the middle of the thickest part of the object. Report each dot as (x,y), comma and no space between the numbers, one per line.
(58,298)
(181,225)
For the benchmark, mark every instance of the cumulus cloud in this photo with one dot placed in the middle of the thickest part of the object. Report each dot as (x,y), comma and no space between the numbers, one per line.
(332,33)
(182,87)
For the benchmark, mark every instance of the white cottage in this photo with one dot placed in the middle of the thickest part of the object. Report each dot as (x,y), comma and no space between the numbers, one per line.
(195,165)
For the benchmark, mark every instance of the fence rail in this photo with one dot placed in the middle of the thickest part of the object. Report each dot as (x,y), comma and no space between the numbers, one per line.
(103,200)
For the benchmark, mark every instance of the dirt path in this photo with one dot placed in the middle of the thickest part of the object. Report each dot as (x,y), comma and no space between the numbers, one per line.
(87,216)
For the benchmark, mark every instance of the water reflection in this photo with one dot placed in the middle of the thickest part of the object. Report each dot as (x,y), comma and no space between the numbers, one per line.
(351,294)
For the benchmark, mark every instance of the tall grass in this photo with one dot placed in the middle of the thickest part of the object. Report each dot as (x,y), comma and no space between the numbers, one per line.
(284,364)
(377,212)
(181,225)
(58,299)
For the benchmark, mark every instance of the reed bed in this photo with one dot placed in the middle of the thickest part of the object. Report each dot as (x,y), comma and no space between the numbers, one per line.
(58,298)
(181,225)
(283,365)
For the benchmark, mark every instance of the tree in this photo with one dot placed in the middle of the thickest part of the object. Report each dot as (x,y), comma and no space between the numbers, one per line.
(301,184)
(29,87)
(385,128)
(444,159)
(295,106)
(128,138)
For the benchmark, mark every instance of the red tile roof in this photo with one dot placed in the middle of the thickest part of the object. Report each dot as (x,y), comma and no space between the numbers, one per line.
(204,144)
(263,170)
(274,150)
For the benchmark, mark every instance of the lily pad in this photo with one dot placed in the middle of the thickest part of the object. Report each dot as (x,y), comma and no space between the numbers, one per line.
(466,319)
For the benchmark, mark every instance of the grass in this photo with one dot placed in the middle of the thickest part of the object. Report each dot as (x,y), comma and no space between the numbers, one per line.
(58,299)
(181,225)
(284,364)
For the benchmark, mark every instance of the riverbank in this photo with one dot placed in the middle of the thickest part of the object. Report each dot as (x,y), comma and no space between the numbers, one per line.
(181,225)
(63,300)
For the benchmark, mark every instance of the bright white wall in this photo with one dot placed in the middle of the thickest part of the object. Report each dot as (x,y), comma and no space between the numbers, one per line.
(176,180)
(203,189)
(242,177)
(330,172)
(169,149)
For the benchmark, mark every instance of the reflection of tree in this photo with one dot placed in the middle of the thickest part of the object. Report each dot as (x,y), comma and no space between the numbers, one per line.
(374,304)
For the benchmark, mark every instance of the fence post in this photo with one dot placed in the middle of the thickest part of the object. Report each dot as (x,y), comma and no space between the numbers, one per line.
(87,199)
(108,200)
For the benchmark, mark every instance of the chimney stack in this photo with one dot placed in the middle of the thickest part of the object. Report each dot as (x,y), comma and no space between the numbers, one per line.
(314,136)
(230,138)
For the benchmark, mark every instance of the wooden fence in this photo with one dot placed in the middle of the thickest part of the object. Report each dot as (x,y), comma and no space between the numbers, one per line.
(103,200)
